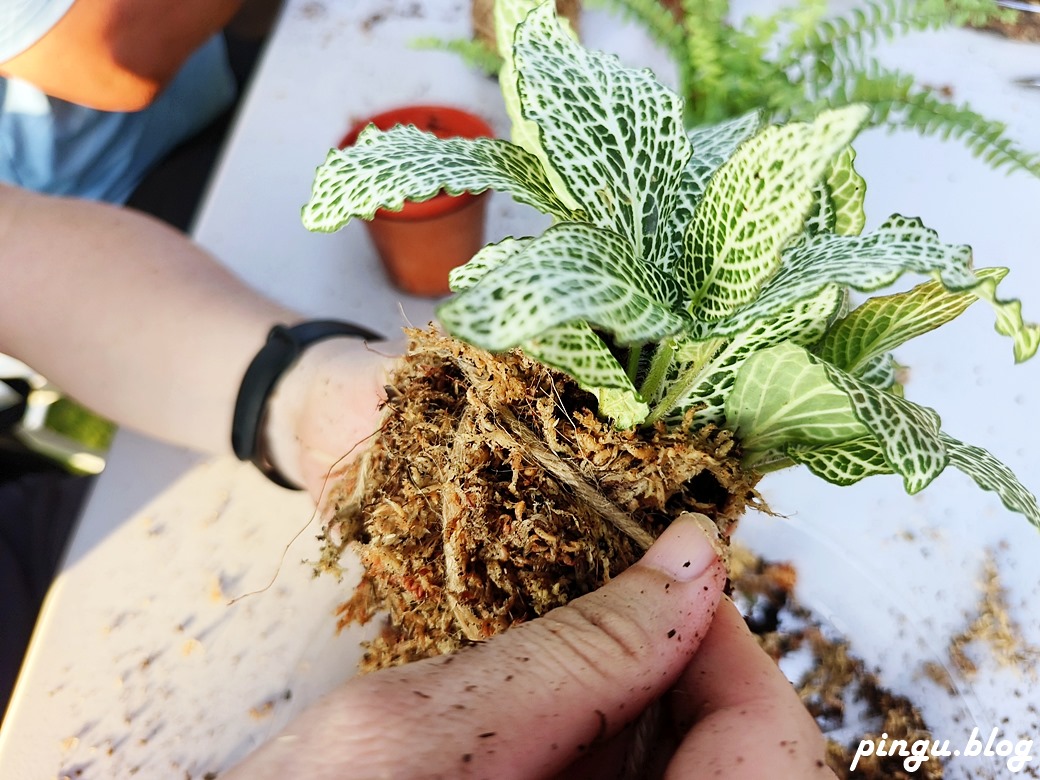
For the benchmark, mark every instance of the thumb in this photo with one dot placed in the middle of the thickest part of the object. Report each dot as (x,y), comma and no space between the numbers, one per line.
(530,701)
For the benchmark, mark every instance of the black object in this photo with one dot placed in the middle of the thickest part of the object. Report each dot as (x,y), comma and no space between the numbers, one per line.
(284,346)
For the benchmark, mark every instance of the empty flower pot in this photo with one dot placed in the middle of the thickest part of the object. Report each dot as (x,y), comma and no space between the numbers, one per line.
(423,241)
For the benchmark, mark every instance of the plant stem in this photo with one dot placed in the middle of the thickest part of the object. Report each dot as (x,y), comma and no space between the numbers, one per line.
(678,389)
(662,360)
(635,356)
(697,357)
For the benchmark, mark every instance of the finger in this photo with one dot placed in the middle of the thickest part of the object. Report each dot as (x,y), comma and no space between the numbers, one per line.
(529,702)
(747,720)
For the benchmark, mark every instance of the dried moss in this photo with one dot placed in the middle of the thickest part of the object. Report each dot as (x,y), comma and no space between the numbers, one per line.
(493,493)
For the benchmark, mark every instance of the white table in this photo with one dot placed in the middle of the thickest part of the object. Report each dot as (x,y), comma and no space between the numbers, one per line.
(140,667)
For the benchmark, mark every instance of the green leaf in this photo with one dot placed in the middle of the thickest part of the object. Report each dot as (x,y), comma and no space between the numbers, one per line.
(907,433)
(705,385)
(883,323)
(624,407)
(847,191)
(487,259)
(753,206)
(384,169)
(572,272)
(508,15)
(712,146)
(842,464)
(990,474)
(614,134)
(864,263)
(1025,335)
(577,351)
(839,199)
(783,397)
(476,54)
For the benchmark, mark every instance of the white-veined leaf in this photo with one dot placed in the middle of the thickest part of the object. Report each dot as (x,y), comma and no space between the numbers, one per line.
(990,474)
(907,432)
(386,168)
(615,134)
(577,351)
(842,464)
(712,146)
(783,397)
(508,15)
(883,323)
(487,259)
(572,272)
(754,205)
(881,371)
(705,386)
(864,263)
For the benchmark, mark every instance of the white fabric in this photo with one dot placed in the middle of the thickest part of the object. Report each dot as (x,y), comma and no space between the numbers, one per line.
(23,22)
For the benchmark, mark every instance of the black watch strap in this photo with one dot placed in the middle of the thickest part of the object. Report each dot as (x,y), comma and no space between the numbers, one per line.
(284,346)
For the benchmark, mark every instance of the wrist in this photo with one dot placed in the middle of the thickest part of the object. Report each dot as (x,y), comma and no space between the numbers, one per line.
(293,403)
(269,410)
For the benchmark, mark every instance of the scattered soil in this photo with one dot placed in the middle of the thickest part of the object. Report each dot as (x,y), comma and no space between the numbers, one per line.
(993,627)
(1024,27)
(834,678)
(494,494)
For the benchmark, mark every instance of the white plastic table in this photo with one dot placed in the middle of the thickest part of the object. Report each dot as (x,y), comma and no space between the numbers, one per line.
(141,666)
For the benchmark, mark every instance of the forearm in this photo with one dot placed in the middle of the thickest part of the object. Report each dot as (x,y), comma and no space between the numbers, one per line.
(127,316)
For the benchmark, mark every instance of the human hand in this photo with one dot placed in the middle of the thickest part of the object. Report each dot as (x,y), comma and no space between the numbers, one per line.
(327,407)
(559,696)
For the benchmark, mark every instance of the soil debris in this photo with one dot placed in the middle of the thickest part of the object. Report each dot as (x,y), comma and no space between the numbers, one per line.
(994,627)
(765,592)
(1023,26)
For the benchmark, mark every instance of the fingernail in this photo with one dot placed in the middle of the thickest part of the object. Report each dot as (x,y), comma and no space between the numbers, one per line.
(687,548)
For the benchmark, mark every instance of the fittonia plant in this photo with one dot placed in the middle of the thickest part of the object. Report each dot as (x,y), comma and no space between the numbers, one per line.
(692,277)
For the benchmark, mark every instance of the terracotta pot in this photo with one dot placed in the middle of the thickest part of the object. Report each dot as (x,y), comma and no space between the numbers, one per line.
(423,241)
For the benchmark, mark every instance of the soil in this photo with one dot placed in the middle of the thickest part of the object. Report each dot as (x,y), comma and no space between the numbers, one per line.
(494,494)
(834,678)
(993,627)
(1024,27)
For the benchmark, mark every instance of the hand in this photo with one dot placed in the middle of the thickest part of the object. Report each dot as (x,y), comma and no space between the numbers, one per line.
(559,695)
(327,407)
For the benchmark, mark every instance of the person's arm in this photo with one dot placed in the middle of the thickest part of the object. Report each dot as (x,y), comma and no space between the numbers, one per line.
(117,55)
(137,322)
(556,697)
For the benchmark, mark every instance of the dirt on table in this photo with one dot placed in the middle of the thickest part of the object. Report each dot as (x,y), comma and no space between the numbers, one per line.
(1024,25)
(834,677)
